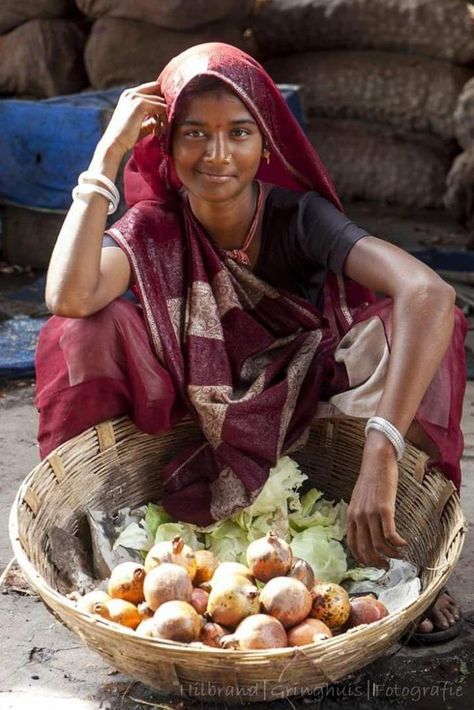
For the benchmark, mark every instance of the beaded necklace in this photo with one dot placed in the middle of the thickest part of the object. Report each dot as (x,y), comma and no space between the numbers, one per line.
(240,255)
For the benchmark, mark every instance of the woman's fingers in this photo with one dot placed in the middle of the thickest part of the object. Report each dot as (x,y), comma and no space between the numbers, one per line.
(379,541)
(360,543)
(366,539)
(389,531)
(151,124)
(351,536)
(377,551)
(149,87)
(149,99)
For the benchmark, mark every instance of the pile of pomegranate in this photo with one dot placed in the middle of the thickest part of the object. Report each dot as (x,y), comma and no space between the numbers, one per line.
(191,597)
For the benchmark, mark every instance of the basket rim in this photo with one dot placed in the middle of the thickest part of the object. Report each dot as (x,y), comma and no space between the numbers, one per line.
(41,586)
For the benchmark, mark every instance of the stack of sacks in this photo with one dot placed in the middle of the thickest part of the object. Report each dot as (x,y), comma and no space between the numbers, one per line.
(459,197)
(381,79)
(132,40)
(41,48)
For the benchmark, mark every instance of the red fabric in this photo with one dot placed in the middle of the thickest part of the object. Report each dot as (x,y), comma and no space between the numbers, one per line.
(92,369)
(247,361)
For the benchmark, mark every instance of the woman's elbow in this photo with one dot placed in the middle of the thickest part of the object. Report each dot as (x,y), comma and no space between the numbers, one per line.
(65,310)
(434,291)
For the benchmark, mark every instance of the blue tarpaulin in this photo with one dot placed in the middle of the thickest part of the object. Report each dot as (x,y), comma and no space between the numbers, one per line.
(18,337)
(44,145)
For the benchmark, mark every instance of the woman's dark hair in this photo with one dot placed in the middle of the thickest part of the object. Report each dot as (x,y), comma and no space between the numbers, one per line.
(202,85)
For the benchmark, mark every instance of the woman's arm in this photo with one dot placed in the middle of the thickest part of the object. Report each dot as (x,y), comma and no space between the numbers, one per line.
(74,271)
(82,278)
(423,318)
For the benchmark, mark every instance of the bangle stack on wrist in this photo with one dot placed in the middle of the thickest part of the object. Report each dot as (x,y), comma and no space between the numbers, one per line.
(87,185)
(390,431)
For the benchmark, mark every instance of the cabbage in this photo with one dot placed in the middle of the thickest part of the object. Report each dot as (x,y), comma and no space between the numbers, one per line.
(326,556)
(316,511)
(228,541)
(156,515)
(281,487)
(187,531)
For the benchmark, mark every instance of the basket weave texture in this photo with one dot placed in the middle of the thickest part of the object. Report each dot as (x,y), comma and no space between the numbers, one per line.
(114,465)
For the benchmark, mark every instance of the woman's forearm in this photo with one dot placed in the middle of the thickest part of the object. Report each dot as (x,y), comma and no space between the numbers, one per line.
(423,320)
(74,268)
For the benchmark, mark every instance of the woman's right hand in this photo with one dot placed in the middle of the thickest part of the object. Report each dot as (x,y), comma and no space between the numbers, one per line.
(140,111)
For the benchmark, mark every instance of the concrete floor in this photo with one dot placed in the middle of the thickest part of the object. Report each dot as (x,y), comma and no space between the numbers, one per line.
(45,665)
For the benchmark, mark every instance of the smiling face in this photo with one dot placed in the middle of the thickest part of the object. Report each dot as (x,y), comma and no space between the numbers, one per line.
(216,145)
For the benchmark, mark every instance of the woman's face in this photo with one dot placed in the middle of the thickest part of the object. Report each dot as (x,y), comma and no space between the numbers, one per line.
(216,145)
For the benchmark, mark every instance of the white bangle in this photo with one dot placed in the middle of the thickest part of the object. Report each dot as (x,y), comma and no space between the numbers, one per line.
(390,431)
(88,176)
(87,189)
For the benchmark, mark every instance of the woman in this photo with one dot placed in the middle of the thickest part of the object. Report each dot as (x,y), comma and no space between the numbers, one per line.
(256,308)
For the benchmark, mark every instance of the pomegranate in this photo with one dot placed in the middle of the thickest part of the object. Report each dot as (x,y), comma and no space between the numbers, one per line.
(269,557)
(231,600)
(126,582)
(119,611)
(173,551)
(199,599)
(365,610)
(146,628)
(206,565)
(86,603)
(302,570)
(255,632)
(211,634)
(167,582)
(308,631)
(177,621)
(330,604)
(230,568)
(286,599)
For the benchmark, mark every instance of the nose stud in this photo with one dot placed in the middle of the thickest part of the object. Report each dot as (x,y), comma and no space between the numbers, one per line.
(211,159)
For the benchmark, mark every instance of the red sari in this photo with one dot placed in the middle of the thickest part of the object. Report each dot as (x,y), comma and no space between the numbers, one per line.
(251,363)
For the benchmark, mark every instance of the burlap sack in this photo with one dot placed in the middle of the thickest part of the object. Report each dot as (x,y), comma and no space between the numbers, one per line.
(172,14)
(43,58)
(370,162)
(459,196)
(464,115)
(435,28)
(407,92)
(129,52)
(15,12)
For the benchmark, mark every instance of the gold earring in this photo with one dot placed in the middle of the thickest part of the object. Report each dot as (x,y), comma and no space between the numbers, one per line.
(266,155)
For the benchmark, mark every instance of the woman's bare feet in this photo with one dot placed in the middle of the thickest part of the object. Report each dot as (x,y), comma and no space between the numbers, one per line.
(444,614)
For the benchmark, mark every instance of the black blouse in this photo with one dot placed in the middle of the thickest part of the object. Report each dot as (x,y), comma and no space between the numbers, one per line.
(303,237)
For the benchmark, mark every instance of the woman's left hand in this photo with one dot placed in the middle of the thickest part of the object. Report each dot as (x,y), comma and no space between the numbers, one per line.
(371,531)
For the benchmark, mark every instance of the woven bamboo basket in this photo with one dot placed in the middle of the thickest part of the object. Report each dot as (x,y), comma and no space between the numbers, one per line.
(114,464)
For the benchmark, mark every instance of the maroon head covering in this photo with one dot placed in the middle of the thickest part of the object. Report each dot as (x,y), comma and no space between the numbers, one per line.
(294,163)
(248,361)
